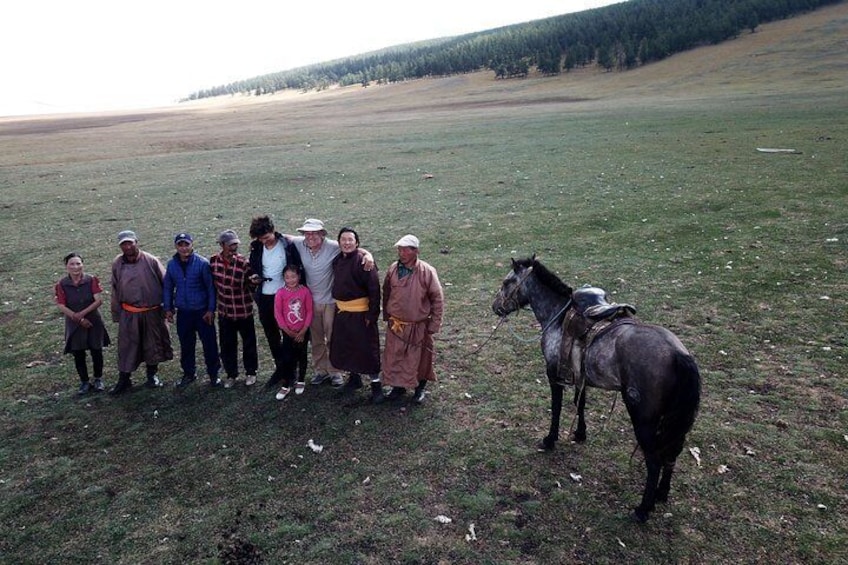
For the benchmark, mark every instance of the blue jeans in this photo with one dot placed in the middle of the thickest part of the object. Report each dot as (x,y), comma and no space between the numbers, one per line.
(190,326)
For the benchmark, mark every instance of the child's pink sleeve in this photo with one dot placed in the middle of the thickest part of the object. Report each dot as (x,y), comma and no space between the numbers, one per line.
(279,308)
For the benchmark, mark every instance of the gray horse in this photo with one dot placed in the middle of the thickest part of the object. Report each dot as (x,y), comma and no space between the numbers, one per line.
(609,349)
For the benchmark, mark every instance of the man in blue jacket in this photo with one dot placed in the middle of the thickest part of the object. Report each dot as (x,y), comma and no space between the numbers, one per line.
(188,289)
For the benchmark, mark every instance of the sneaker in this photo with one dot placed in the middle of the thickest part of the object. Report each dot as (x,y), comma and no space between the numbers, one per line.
(98,385)
(419,395)
(153,382)
(282,393)
(337,380)
(250,380)
(186,380)
(299,387)
(229,383)
(84,388)
(319,378)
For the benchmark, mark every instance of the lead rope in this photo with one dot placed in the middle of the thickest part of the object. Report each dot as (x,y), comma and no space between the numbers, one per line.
(609,414)
(516,336)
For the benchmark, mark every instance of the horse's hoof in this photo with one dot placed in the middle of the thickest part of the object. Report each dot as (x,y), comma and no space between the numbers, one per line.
(639,516)
(578,438)
(547,444)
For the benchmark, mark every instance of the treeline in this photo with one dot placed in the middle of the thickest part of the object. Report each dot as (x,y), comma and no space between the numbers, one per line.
(616,37)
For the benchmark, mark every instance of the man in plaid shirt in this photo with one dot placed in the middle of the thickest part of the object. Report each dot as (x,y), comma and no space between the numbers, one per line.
(230,274)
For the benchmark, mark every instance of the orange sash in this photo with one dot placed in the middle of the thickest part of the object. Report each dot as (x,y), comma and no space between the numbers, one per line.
(137,309)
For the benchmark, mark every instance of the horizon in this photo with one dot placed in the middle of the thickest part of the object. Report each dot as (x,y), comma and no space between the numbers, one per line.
(87,58)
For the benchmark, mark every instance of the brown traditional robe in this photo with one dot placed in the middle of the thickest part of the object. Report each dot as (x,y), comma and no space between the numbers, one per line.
(142,336)
(413,307)
(355,344)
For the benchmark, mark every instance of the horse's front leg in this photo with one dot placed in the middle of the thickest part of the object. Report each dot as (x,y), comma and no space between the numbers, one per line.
(550,440)
(580,403)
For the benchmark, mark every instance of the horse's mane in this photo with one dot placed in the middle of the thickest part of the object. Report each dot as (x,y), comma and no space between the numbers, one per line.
(545,276)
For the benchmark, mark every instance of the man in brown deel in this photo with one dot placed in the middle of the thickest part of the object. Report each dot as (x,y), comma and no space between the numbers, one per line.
(413,304)
(143,335)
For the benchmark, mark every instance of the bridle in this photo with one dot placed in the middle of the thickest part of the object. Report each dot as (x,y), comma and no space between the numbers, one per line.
(510,299)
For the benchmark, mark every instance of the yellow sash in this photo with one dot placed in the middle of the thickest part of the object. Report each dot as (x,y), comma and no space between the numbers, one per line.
(397,325)
(355,305)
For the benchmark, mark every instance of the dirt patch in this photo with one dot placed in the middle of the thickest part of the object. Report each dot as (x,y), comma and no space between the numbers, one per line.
(57,125)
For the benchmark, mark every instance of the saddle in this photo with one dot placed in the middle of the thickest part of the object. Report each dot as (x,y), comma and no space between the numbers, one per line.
(591,315)
(592,303)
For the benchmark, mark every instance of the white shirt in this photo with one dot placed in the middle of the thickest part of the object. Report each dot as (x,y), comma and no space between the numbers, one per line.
(273,263)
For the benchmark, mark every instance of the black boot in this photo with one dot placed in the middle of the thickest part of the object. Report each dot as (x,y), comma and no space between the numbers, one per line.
(396,393)
(123,385)
(377,393)
(354,383)
(418,395)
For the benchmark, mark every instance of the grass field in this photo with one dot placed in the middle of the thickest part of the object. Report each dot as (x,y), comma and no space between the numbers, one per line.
(647,183)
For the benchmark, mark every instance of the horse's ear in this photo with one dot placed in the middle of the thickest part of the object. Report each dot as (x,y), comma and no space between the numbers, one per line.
(533,258)
(514,265)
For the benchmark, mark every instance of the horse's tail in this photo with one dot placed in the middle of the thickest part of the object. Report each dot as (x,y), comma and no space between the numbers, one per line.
(683,407)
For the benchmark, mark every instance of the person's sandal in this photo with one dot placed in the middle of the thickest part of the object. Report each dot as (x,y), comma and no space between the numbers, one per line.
(299,388)
(282,393)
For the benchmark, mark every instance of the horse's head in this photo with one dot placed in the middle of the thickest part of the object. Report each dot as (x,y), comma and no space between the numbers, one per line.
(513,293)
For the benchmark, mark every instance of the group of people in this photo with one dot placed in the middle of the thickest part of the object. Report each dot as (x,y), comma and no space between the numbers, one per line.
(312,294)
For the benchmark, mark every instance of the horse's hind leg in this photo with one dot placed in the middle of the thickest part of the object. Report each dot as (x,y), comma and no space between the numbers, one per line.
(665,482)
(580,403)
(645,435)
(549,441)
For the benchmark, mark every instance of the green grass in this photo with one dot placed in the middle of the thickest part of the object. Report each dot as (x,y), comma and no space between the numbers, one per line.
(658,196)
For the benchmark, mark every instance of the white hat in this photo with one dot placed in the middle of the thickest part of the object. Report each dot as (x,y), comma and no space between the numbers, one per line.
(408,240)
(312,224)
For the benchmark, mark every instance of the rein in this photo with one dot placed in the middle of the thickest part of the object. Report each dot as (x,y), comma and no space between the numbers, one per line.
(542,333)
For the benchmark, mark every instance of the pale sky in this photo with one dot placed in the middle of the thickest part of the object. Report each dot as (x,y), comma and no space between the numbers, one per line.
(89,55)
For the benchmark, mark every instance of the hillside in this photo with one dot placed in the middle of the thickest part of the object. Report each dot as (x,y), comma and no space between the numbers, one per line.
(801,54)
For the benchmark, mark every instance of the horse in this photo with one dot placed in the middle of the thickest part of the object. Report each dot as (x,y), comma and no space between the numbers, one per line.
(658,378)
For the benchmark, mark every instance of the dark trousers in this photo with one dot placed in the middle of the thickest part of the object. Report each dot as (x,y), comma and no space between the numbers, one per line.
(295,355)
(230,330)
(82,368)
(265,305)
(190,326)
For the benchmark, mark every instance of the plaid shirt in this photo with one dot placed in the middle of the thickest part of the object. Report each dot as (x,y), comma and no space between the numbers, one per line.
(233,288)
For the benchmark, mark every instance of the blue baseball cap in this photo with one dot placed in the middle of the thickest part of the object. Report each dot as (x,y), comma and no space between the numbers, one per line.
(182,236)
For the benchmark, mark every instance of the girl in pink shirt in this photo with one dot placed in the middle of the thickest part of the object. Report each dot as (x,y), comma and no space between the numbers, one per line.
(293,311)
